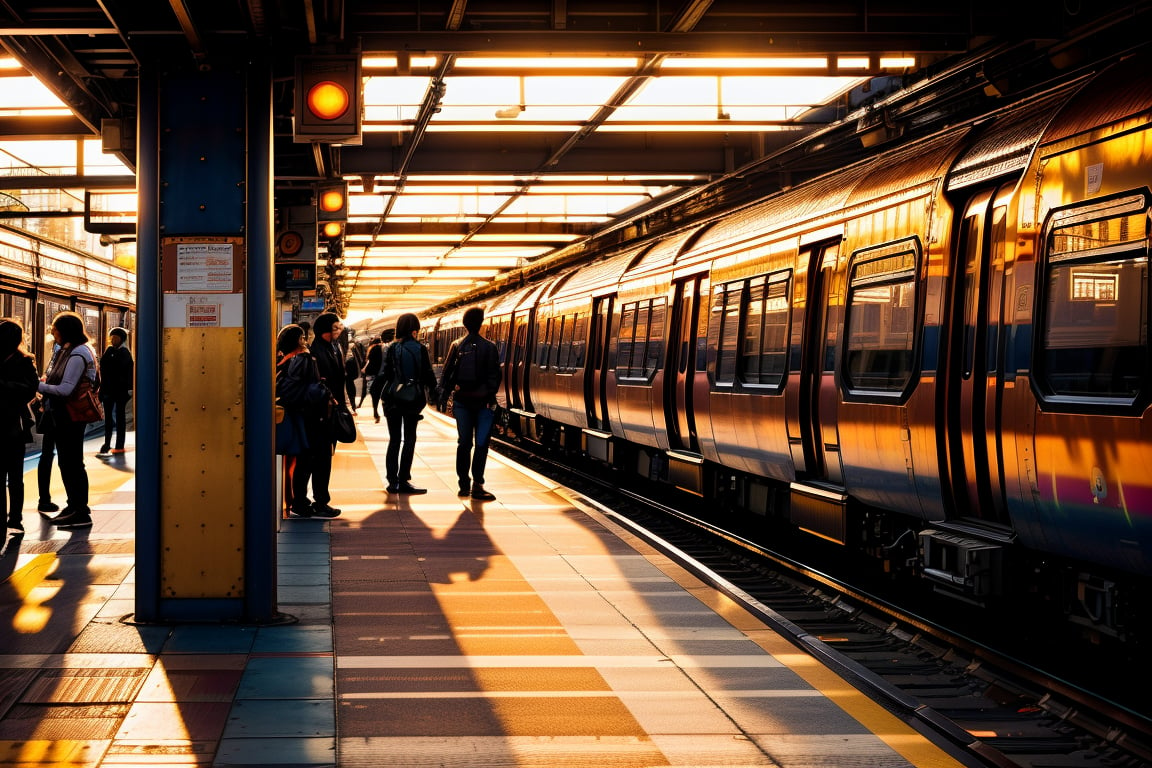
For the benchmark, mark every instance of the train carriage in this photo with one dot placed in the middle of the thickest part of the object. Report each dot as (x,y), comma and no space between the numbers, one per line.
(938,356)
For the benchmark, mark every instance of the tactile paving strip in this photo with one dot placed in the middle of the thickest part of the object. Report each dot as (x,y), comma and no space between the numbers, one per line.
(84,686)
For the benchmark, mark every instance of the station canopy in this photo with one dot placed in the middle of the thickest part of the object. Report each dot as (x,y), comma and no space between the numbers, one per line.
(495,137)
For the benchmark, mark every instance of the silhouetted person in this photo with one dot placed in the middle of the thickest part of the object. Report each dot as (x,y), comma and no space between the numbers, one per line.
(471,378)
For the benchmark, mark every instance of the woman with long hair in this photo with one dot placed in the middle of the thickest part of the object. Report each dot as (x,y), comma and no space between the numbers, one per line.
(17,387)
(74,360)
(405,360)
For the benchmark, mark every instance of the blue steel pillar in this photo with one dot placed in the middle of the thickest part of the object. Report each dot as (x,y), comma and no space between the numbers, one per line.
(205,482)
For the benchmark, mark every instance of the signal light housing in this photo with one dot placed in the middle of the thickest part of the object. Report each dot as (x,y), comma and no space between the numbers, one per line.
(332,201)
(327,99)
(332,229)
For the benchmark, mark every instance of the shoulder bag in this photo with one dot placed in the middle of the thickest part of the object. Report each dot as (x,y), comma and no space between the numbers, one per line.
(343,423)
(83,405)
(404,393)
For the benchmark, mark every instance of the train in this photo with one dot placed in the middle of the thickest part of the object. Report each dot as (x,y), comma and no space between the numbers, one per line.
(42,276)
(937,356)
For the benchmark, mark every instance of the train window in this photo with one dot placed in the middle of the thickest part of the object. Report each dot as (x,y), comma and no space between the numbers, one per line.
(639,351)
(726,300)
(752,340)
(544,344)
(1095,334)
(880,324)
(579,340)
(763,358)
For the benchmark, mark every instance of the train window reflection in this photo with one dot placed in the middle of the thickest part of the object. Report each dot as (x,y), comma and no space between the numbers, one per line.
(753,321)
(1094,340)
(880,334)
(640,345)
(1096,329)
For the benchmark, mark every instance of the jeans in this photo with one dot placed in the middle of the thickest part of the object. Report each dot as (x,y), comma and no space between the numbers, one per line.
(314,464)
(12,470)
(44,466)
(69,439)
(473,426)
(401,445)
(115,413)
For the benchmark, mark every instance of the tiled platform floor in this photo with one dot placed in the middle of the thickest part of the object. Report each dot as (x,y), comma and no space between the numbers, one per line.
(432,631)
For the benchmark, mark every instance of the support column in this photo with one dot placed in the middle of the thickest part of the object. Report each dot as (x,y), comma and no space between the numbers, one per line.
(205,474)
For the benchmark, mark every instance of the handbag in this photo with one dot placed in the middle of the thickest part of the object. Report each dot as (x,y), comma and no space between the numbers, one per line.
(406,394)
(343,424)
(82,405)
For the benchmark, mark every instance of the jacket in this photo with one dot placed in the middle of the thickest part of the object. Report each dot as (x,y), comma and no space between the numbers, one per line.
(330,363)
(116,374)
(408,359)
(18,382)
(69,364)
(482,392)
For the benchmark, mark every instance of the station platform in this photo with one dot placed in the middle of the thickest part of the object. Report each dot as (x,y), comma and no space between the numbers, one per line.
(431,631)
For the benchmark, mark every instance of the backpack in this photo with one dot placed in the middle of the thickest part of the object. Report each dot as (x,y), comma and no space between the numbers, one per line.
(467,363)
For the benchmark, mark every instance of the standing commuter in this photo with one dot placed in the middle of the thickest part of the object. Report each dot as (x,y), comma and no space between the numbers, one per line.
(329,357)
(371,370)
(472,378)
(47,450)
(115,389)
(305,402)
(405,360)
(353,365)
(74,360)
(18,382)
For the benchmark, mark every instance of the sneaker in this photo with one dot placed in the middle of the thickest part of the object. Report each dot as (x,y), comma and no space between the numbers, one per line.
(118,450)
(480,494)
(323,510)
(73,518)
(300,510)
(47,506)
(464,491)
(105,450)
(393,488)
(408,488)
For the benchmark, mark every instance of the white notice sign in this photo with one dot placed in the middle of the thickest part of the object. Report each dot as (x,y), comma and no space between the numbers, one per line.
(204,267)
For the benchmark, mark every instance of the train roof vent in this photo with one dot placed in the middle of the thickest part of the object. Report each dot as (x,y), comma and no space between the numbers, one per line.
(663,254)
(1005,143)
(909,167)
(1121,92)
(605,273)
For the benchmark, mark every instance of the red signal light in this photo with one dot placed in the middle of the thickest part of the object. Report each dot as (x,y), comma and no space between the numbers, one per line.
(328,100)
(332,200)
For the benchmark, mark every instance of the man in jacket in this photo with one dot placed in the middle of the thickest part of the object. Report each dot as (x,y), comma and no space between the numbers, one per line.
(329,357)
(115,389)
(472,377)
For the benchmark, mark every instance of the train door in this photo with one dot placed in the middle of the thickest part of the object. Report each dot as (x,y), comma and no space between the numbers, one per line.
(521,359)
(596,370)
(972,385)
(680,367)
(818,393)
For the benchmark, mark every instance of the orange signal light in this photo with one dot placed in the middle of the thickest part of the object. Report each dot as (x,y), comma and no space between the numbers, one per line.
(328,100)
(333,229)
(332,200)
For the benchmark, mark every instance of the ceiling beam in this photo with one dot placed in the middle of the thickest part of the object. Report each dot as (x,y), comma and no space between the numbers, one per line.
(739,43)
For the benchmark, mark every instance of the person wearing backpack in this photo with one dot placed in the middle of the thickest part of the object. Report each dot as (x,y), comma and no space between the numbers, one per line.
(407,364)
(472,378)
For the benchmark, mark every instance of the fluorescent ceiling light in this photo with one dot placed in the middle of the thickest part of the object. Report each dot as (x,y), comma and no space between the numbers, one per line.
(384,62)
(703,62)
(541,62)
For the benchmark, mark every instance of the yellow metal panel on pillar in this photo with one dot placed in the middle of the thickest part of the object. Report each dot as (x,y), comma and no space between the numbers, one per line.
(202,488)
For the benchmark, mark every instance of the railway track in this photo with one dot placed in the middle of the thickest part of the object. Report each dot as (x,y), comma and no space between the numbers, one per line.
(985,700)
